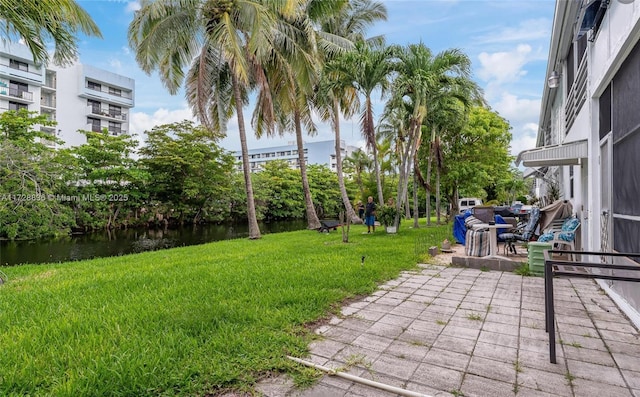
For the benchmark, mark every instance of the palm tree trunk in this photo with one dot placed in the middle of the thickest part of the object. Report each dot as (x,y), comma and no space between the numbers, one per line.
(312,218)
(437,195)
(416,214)
(428,189)
(351,213)
(254,230)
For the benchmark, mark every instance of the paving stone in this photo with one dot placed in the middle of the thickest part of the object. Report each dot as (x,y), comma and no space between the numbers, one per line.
(625,348)
(394,366)
(534,344)
(409,350)
(386,330)
(437,377)
(418,337)
(389,301)
(356,324)
(625,337)
(326,348)
(474,385)
(396,320)
(491,369)
(582,321)
(275,386)
(581,341)
(526,392)
(339,334)
(351,354)
(507,329)
(460,332)
(601,373)
(618,327)
(539,360)
(454,344)
(498,339)
(373,342)
(548,382)
(429,391)
(588,388)
(448,359)
(534,333)
(495,352)
(632,378)
(502,318)
(589,332)
(627,362)
(589,356)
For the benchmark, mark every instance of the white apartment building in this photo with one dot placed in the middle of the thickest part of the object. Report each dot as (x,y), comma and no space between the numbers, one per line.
(322,152)
(589,131)
(78,97)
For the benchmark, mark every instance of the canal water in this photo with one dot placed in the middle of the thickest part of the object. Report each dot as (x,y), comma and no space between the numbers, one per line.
(122,242)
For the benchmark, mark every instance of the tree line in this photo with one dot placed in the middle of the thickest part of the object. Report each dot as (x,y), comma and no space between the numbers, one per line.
(296,59)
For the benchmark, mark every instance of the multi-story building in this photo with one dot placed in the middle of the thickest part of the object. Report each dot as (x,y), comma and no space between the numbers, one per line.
(78,97)
(589,131)
(322,152)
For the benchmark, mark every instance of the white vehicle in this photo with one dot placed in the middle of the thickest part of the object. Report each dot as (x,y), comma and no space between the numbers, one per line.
(467,203)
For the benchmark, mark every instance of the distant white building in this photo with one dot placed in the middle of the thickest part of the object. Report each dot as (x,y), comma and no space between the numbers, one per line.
(322,153)
(79,97)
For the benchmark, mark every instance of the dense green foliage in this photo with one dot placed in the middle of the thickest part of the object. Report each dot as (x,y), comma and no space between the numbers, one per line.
(186,321)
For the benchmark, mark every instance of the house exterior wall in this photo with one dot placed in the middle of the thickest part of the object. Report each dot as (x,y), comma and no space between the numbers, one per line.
(613,56)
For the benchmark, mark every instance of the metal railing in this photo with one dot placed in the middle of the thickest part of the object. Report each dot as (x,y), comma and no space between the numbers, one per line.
(106,90)
(577,95)
(16,93)
(114,114)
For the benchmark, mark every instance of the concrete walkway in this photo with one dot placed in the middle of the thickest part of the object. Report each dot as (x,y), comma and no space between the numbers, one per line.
(447,331)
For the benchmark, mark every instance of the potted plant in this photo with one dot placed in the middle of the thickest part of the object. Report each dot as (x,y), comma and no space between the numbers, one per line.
(386,216)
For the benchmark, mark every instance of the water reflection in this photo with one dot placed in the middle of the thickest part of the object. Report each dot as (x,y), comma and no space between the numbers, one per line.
(122,242)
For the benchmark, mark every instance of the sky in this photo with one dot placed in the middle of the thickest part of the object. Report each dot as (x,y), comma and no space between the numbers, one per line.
(506,40)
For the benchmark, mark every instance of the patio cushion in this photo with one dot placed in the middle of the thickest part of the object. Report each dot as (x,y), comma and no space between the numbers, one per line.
(477,242)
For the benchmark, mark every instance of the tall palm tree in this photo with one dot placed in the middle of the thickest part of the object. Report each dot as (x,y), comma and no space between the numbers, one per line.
(225,43)
(367,68)
(423,77)
(332,98)
(35,22)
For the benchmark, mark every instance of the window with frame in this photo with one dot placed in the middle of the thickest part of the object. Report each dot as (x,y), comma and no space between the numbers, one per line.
(92,85)
(18,65)
(95,124)
(17,106)
(115,128)
(115,91)
(95,106)
(115,111)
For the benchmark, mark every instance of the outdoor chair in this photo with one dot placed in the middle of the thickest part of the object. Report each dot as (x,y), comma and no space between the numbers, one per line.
(524,233)
(566,235)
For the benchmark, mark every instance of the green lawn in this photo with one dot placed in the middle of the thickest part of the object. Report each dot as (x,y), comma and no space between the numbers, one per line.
(186,321)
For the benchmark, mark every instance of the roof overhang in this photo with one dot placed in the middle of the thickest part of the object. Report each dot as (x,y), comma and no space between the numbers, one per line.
(564,154)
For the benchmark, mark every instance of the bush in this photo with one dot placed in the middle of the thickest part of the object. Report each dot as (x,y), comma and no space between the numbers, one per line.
(387,215)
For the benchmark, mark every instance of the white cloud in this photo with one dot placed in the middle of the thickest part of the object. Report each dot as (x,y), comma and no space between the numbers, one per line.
(504,67)
(141,121)
(115,64)
(517,110)
(528,30)
(524,139)
(132,6)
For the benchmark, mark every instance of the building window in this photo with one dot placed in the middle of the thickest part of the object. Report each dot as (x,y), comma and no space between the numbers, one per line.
(115,91)
(95,124)
(95,106)
(16,106)
(18,65)
(115,111)
(16,89)
(92,85)
(115,128)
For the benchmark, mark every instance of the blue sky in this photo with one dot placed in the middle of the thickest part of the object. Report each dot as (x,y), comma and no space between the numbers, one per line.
(507,41)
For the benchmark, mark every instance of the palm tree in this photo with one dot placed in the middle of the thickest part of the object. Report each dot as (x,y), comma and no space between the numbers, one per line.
(333,98)
(358,163)
(365,69)
(35,22)
(225,43)
(423,77)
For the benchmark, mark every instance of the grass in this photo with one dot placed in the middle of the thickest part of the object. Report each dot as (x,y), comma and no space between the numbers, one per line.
(474,317)
(186,321)
(523,270)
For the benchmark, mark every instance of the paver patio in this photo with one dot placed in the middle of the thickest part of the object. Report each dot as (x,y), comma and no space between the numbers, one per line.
(446,331)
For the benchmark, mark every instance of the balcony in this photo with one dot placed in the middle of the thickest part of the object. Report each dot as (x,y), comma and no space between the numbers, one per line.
(117,131)
(106,94)
(16,73)
(14,93)
(49,102)
(106,113)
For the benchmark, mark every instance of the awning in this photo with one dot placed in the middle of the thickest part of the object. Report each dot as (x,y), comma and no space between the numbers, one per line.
(563,154)
(534,171)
